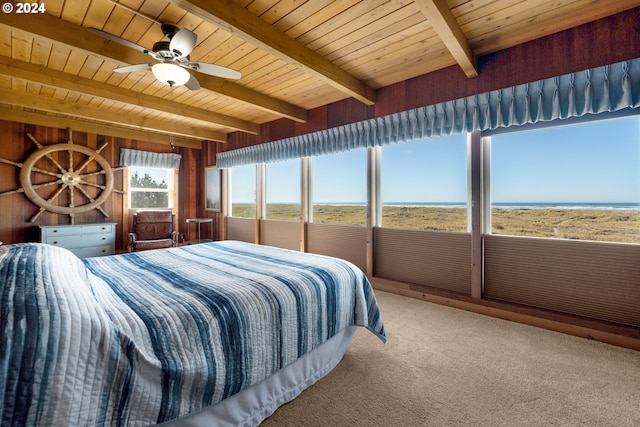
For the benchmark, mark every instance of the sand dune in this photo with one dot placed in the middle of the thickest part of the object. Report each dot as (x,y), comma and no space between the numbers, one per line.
(582,224)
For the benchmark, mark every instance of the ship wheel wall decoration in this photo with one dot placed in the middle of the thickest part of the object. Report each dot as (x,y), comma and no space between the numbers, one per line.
(71,174)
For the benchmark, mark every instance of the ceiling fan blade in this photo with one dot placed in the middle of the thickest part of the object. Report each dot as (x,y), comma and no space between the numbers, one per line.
(182,43)
(192,84)
(215,70)
(134,67)
(118,40)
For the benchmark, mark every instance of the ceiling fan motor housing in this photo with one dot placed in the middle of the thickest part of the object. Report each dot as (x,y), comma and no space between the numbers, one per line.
(182,40)
(169,30)
(173,56)
(162,49)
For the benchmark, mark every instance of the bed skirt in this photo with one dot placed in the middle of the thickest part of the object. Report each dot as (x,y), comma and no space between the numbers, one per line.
(252,406)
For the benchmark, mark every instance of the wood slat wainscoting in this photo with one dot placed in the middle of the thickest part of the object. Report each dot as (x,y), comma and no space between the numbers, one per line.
(593,279)
(282,234)
(341,241)
(242,229)
(436,259)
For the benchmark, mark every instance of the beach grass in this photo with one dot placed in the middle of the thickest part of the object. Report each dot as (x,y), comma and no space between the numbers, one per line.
(579,224)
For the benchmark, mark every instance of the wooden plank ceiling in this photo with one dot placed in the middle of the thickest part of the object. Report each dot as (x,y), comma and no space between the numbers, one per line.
(294,55)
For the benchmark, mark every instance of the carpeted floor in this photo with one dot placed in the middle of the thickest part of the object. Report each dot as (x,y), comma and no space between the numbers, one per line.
(446,367)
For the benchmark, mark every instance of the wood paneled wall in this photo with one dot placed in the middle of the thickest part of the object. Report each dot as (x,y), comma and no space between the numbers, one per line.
(607,41)
(16,209)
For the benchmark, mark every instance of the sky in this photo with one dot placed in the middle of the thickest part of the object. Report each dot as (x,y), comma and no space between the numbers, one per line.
(590,162)
(158,174)
(596,162)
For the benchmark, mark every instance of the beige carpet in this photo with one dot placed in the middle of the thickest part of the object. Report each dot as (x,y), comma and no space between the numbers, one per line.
(446,367)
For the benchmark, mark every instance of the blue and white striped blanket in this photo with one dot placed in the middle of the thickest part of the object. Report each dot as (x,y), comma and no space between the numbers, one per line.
(142,338)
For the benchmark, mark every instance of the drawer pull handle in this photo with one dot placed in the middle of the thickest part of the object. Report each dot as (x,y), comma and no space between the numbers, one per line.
(55,242)
(55,231)
(104,238)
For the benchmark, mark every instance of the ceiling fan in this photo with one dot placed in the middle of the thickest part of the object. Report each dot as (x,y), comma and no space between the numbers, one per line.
(173,57)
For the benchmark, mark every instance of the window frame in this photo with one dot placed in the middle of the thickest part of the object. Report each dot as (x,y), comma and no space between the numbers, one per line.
(311,199)
(171,190)
(487,166)
(257,190)
(448,153)
(298,180)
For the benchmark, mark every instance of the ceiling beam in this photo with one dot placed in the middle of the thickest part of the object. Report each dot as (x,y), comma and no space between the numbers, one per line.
(446,25)
(232,18)
(77,37)
(58,79)
(47,120)
(73,109)
(256,99)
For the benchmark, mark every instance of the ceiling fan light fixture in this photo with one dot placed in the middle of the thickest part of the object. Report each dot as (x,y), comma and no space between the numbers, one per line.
(170,74)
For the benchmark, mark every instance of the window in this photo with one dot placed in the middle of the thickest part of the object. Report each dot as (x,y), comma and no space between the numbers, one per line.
(283,190)
(424,184)
(574,182)
(339,188)
(243,191)
(150,187)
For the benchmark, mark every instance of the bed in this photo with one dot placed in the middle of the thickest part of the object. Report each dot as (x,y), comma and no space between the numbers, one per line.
(219,333)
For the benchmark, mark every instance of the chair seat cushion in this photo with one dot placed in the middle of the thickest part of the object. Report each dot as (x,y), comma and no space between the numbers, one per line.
(155,231)
(142,245)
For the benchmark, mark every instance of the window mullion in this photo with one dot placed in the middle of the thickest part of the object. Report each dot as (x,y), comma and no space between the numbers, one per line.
(475,207)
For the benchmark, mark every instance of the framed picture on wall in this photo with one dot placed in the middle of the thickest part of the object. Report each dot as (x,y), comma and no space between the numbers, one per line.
(212,186)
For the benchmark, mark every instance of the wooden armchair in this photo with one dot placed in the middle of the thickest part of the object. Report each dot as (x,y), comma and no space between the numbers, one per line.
(153,230)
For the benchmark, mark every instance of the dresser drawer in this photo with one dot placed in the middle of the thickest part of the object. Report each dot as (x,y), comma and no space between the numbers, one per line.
(98,228)
(84,240)
(80,240)
(94,251)
(72,230)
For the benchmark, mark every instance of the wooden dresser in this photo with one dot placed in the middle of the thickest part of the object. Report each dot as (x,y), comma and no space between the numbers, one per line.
(84,240)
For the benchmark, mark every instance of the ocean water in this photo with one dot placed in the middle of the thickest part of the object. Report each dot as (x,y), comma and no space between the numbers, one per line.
(624,206)
(586,206)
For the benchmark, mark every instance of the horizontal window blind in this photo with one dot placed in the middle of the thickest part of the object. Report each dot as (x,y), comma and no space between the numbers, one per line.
(599,280)
(340,241)
(431,258)
(241,229)
(282,234)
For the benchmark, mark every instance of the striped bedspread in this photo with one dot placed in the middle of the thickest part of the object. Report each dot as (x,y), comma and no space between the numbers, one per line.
(143,338)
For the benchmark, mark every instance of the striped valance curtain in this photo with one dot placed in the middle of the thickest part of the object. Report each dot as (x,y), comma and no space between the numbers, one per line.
(604,89)
(149,159)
